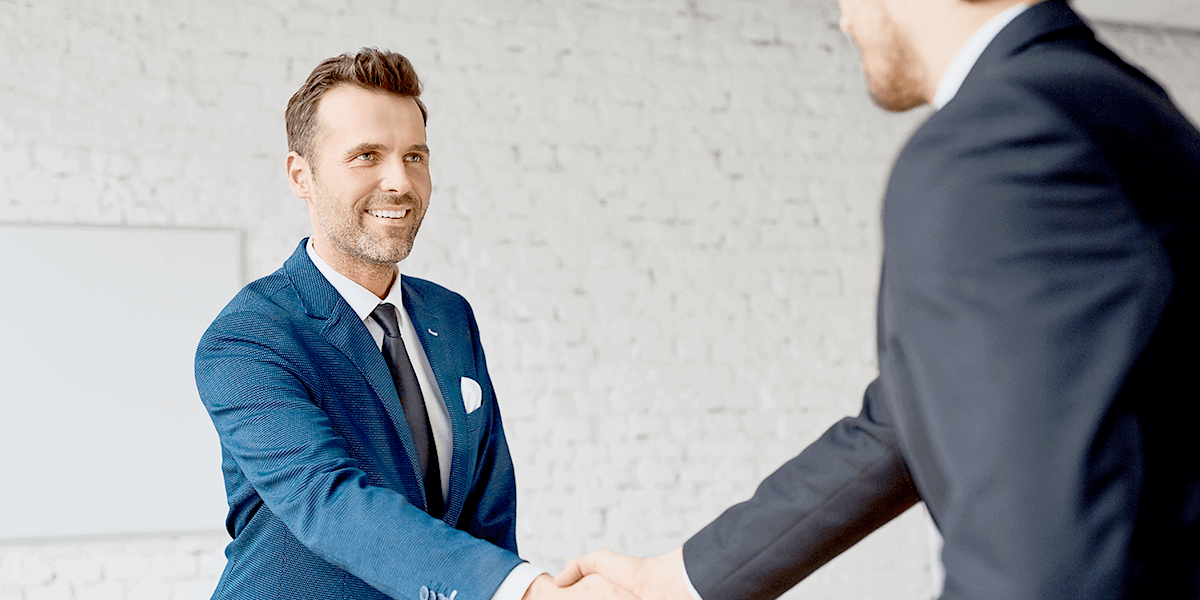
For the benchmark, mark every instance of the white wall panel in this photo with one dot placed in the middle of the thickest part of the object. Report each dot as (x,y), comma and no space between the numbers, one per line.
(101,429)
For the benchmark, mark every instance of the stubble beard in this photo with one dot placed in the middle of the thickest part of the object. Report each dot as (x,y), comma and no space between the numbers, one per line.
(895,84)
(354,238)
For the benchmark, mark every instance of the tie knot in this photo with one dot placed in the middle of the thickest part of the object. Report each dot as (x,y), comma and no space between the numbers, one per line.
(385,315)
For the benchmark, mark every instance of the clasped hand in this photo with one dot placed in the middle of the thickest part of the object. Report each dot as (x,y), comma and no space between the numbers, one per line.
(609,575)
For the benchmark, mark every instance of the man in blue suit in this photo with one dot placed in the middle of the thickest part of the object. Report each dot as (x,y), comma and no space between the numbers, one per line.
(362,445)
(1037,323)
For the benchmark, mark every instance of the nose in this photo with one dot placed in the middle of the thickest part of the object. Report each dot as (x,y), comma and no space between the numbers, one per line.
(395,177)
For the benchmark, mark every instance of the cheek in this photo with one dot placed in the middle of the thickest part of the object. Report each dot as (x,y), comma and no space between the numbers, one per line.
(350,189)
(852,17)
(423,184)
(873,43)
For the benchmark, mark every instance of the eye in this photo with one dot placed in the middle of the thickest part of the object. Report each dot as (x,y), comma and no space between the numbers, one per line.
(414,158)
(366,156)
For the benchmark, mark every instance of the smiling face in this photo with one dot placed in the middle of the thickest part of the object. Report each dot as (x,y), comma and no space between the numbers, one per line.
(895,76)
(367,182)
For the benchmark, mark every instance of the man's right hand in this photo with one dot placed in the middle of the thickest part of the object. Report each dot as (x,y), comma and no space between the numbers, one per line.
(591,587)
(658,578)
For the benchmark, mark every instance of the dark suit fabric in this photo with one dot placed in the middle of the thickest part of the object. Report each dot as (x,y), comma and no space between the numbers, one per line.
(325,495)
(1036,314)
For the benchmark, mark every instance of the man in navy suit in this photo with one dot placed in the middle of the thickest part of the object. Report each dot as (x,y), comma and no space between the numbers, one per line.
(1037,306)
(362,445)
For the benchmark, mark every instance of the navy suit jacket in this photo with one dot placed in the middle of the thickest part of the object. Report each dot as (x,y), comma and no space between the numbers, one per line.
(325,499)
(1037,322)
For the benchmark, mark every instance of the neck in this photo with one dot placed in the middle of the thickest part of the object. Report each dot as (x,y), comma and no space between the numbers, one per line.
(938,35)
(376,278)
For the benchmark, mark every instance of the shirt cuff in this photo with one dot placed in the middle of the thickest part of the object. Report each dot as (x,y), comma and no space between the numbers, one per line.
(517,583)
(687,581)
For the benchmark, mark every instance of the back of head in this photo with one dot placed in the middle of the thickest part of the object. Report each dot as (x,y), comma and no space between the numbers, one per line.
(369,68)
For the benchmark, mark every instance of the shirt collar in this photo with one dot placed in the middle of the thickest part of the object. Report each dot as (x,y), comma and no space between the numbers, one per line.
(970,52)
(360,299)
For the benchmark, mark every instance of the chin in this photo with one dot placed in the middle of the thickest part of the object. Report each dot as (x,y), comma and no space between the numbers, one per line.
(894,94)
(897,103)
(387,257)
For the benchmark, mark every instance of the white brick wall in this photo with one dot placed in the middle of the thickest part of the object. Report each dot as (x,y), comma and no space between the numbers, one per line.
(180,567)
(665,215)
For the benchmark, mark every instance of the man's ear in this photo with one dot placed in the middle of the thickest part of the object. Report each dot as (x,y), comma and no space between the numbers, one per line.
(299,174)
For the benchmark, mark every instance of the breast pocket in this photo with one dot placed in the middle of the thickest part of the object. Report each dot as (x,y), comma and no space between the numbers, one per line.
(472,395)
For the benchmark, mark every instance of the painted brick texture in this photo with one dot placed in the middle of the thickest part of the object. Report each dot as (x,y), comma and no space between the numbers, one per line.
(664,214)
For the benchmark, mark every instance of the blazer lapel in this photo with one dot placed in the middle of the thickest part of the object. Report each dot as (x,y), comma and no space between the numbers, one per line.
(447,370)
(346,332)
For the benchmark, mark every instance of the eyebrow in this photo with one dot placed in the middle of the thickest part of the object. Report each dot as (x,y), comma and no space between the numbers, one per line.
(372,147)
(365,147)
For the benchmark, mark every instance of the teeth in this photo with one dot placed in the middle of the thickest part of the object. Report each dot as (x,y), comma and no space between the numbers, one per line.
(389,214)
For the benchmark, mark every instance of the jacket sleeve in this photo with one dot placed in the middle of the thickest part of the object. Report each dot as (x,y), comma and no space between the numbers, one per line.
(258,385)
(845,485)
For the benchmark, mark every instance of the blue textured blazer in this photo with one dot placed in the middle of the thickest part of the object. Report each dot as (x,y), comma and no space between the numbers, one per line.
(1038,316)
(325,499)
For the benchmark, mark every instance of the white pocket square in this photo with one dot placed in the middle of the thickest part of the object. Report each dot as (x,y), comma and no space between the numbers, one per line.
(472,394)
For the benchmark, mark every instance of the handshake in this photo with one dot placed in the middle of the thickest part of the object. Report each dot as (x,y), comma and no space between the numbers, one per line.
(606,575)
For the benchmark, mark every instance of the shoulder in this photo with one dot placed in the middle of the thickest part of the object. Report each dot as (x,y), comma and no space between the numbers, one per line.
(274,293)
(1069,87)
(1069,108)
(1068,104)
(263,308)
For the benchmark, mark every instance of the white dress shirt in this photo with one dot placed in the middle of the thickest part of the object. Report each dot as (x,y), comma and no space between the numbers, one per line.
(966,57)
(363,302)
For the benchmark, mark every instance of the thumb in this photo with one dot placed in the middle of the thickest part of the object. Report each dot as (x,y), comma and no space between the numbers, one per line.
(581,567)
(574,571)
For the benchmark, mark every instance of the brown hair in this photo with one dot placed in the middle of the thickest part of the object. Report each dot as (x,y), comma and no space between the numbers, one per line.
(370,68)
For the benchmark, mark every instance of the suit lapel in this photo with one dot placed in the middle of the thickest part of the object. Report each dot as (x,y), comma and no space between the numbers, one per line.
(345,331)
(447,369)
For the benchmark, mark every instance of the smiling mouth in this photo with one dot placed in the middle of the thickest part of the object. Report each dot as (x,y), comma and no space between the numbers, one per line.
(389,214)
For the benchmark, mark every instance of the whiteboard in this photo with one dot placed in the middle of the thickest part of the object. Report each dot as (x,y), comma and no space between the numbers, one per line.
(101,429)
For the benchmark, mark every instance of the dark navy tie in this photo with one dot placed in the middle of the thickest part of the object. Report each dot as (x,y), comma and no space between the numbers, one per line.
(413,404)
